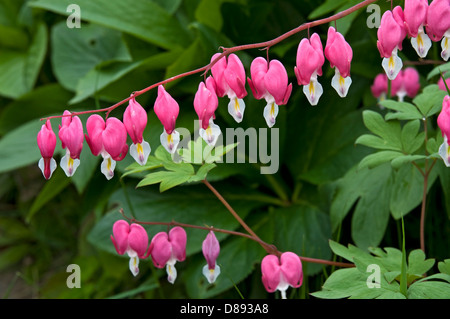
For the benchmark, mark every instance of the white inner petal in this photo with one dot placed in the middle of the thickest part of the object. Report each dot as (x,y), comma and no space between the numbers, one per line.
(211,274)
(445,43)
(69,165)
(270,114)
(236,109)
(211,134)
(134,266)
(170,141)
(392,65)
(140,152)
(341,84)
(421,43)
(444,152)
(171,272)
(53,166)
(313,91)
(108,165)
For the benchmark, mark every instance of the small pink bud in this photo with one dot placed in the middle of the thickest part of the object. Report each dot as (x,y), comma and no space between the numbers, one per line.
(310,59)
(338,52)
(167,249)
(280,273)
(206,101)
(380,85)
(406,84)
(211,250)
(391,32)
(167,109)
(72,137)
(131,239)
(46,140)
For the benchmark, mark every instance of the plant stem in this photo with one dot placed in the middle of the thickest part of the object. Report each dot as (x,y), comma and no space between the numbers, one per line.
(226,52)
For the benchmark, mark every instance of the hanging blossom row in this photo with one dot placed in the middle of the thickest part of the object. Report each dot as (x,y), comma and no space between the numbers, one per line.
(168,248)
(268,80)
(412,21)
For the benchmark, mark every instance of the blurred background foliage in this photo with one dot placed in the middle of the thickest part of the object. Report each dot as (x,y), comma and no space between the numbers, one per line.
(123,46)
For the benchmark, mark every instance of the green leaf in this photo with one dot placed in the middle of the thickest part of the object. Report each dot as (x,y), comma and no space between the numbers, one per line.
(429,290)
(438,70)
(135,168)
(326,7)
(444,266)
(77,51)
(388,131)
(378,158)
(403,274)
(202,172)
(417,265)
(167,179)
(429,102)
(405,111)
(373,141)
(20,69)
(144,19)
(411,139)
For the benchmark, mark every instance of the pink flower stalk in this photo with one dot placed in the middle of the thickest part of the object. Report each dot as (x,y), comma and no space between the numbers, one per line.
(379,87)
(229,74)
(109,139)
(269,81)
(443,122)
(211,250)
(280,273)
(310,60)
(46,140)
(167,249)
(340,55)
(205,104)
(135,121)
(415,14)
(72,137)
(406,84)
(438,24)
(390,37)
(131,239)
(167,110)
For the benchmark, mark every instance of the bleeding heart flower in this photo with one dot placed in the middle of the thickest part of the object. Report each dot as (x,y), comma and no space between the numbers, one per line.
(167,249)
(46,140)
(167,109)
(135,121)
(443,122)
(108,139)
(340,55)
(406,84)
(211,250)
(270,81)
(390,37)
(310,60)
(131,239)
(379,87)
(72,137)
(280,273)
(229,75)
(438,24)
(415,14)
(205,104)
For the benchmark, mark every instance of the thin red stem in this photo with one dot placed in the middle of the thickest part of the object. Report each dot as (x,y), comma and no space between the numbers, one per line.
(227,51)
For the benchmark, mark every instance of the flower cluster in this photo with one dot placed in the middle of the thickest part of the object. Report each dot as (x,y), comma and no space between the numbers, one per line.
(405,84)
(268,80)
(168,248)
(412,21)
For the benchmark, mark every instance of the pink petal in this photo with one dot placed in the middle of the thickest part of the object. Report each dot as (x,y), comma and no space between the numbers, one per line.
(135,120)
(276,81)
(138,239)
(291,267)
(167,109)
(178,239)
(95,126)
(270,269)
(161,249)
(211,249)
(115,138)
(119,238)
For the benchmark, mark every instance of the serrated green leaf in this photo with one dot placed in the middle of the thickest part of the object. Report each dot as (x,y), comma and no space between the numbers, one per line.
(404,110)
(429,102)
(202,172)
(167,179)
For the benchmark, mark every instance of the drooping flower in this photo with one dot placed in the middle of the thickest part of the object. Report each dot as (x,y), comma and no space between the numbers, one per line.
(135,121)
(167,249)
(269,81)
(391,34)
(229,75)
(443,122)
(340,55)
(211,250)
(108,139)
(133,240)
(72,137)
(167,109)
(438,25)
(205,104)
(415,14)
(46,140)
(406,84)
(310,60)
(379,87)
(280,273)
